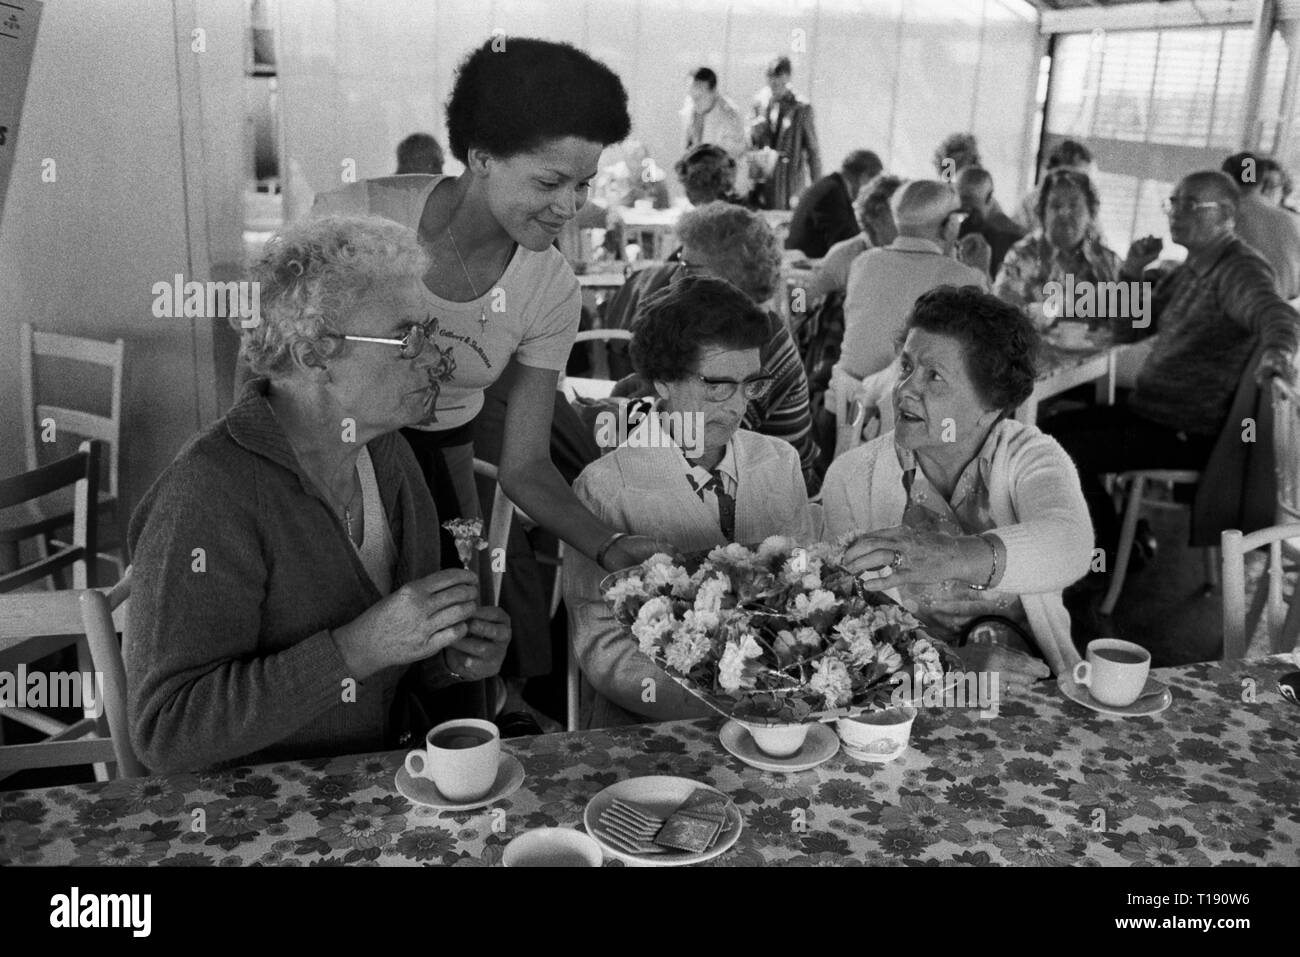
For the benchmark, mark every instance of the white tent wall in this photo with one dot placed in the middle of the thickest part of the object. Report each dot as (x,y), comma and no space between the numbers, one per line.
(895,76)
(144,186)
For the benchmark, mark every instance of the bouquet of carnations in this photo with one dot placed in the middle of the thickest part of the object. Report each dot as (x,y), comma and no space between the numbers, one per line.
(781,634)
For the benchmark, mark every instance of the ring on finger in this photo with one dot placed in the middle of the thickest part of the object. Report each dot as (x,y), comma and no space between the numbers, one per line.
(897,563)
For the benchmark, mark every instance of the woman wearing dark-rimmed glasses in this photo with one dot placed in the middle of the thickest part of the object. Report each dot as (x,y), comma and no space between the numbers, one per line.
(285,579)
(732,243)
(688,473)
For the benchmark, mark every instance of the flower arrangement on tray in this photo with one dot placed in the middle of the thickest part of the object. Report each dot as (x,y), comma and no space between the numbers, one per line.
(780,634)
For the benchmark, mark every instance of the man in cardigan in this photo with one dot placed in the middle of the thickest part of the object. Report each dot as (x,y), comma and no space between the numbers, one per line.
(1213,312)
(783,122)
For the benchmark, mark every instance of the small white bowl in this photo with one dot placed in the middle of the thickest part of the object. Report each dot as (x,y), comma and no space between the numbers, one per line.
(878,735)
(552,847)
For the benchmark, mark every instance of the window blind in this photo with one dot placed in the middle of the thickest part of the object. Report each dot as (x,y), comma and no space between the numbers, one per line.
(1138,97)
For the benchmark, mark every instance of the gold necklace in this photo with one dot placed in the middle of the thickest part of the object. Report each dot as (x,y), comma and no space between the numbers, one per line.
(482,309)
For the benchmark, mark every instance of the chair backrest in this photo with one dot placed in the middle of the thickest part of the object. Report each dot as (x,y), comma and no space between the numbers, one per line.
(1286,446)
(37,415)
(1283,628)
(79,471)
(31,620)
(603,362)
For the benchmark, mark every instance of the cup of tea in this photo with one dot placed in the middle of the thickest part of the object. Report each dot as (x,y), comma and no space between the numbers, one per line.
(1115,671)
(877,735)
(552,847)
(460,757)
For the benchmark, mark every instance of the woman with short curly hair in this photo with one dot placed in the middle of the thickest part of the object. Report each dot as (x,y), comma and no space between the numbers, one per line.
(735,244)
(686,472)
(1067,243)
(287,552)
(976,520)
(707,173)
(528,118)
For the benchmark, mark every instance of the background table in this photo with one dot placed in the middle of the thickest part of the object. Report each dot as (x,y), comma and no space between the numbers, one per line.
(1213,780)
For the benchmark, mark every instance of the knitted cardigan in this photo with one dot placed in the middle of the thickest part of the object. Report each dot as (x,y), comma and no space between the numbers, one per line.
(643,491)
(1034,497)
(240,571)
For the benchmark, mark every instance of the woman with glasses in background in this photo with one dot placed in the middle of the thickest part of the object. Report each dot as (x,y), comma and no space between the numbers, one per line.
(1066,244)
(688,473)
(285,575)
(732,243)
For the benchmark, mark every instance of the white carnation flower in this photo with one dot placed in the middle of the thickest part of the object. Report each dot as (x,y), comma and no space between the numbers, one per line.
(731,669)
(663,574)
(710,594)
(687,649)
(927,656)
(774,546)
(887,656)
(805,606)
(653,622)
(831,680)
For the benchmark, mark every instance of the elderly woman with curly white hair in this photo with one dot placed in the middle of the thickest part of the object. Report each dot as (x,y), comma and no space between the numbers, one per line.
(286,566)
(729,242)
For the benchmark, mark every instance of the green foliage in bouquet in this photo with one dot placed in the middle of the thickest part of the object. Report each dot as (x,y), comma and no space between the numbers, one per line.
(778,634)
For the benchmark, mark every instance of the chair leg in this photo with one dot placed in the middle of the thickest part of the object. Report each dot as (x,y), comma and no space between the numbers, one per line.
(573,684)
(1288,638)
(1128,531)
(1212,560)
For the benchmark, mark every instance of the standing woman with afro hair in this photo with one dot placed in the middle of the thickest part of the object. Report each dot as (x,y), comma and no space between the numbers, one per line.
(528,119)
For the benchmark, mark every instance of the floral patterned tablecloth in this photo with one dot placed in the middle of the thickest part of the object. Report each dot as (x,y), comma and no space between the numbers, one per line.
(1215,779)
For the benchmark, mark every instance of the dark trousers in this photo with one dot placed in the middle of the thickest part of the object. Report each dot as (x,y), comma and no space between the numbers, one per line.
(1109,439)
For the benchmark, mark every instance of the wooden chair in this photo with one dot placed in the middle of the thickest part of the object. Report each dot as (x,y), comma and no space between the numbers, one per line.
(600,357)
(1286,451)
(1136,484)
(1286,455)
(500,521)
(40,419)
(33,624)
(1282,626)
(80,471)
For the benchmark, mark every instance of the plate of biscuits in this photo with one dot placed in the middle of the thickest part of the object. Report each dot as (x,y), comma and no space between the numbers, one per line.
(663,821)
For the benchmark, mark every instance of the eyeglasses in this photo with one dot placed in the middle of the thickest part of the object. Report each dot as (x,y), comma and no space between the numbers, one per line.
(690,268)
(720,390)
(412,344)
(1187,204)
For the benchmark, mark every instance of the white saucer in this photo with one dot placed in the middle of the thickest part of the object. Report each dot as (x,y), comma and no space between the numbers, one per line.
(820,745)
(510,775)
(659,794)
(1079,694)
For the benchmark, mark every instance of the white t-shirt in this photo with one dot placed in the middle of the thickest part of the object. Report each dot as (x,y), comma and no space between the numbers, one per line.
(532,311)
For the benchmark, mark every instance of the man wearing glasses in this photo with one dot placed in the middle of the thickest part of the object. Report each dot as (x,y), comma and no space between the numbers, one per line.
(1215,313)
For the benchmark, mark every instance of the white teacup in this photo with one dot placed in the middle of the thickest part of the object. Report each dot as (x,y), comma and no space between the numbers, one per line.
(460,757)
(878,735)
(1115,671)
(552,847)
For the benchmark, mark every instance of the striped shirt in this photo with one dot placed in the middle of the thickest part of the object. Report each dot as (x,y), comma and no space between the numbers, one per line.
(1211,312)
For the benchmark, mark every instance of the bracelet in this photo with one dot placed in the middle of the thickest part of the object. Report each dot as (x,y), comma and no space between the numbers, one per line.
(992,574)
(606,546)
